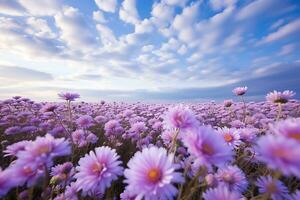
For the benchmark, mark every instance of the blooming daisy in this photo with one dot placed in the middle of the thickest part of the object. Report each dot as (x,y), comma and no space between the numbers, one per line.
(97,170)
(207,146)
(151,174)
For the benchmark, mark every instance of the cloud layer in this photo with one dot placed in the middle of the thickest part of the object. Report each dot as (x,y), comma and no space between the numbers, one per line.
(161,49)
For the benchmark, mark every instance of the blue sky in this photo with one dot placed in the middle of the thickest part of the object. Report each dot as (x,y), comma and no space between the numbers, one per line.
(144,50)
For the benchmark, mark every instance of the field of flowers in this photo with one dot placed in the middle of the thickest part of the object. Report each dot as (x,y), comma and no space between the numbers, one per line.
(213,151)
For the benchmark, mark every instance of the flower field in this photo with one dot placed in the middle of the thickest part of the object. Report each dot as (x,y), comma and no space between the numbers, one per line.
(229,150)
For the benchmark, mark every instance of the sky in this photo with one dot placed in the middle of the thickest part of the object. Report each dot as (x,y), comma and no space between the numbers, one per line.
(148,50)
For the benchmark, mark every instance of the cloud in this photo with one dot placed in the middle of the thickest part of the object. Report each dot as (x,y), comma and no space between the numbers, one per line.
(283,32)
(128,12)
(220,4)
(88,77)
(107,5)
(259,7)
(74,29)
(11,7)
(42,7)
(23,74)
(99,17)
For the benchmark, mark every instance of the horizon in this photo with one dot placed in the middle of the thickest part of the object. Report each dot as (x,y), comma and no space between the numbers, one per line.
(156,50)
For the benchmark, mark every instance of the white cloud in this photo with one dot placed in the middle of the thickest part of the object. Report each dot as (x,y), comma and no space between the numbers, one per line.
(107,5)
(40,28)
(220,4)
(258,7)
(145,26)
(287,49)
(162,14)
(107,35)
(282,32)
(74,29)
(99,17)
(128,12)
(42,7)
(11,7)
(175,2)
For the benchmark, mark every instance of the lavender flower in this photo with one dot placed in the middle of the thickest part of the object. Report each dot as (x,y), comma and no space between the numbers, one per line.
(221,193)
(151,174)
(233,178)
(239,91)
(97,170)
(231,136)
(280,97)
(280,153)
(180,117)
(84,121)
(289,128)
(68,96)
(207,146)
(273,188)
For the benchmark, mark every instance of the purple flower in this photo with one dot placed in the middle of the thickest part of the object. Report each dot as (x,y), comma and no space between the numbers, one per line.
(97,170)
(84,121)
(49,108)
(41,151)
(221,193)
(280,97)
(113,127)
(91,138)
(13,130)
(280,153)
(151,174)
(231,136)
(63,173)
(68,96)
(180,117)
(228,102)
(207,146)
(289,128)
(79,137)
(7,181)
(239,91)
(138,128)
(126,195)
(272,187)
(296,195)
(233,178)
(14,149)
(69,194)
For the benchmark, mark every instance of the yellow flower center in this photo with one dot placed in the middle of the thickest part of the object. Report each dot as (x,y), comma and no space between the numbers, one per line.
(44,149)
(154,175)
(295,136)
(27,170)
(271,188)
(207,149)
(97,167)
(228,137)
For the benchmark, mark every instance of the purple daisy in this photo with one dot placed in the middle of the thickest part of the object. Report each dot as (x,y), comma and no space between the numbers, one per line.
(151,174)
(280,97)
(273,188)
(296,195)
(68,96)
(14,149)
(239,91)
(228,102)
(97,170)
(85,121)
(231,136)
(289,128)
(221,193)
(233,178)
(180,117)
(7,181)
(280,153)
(207,146)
